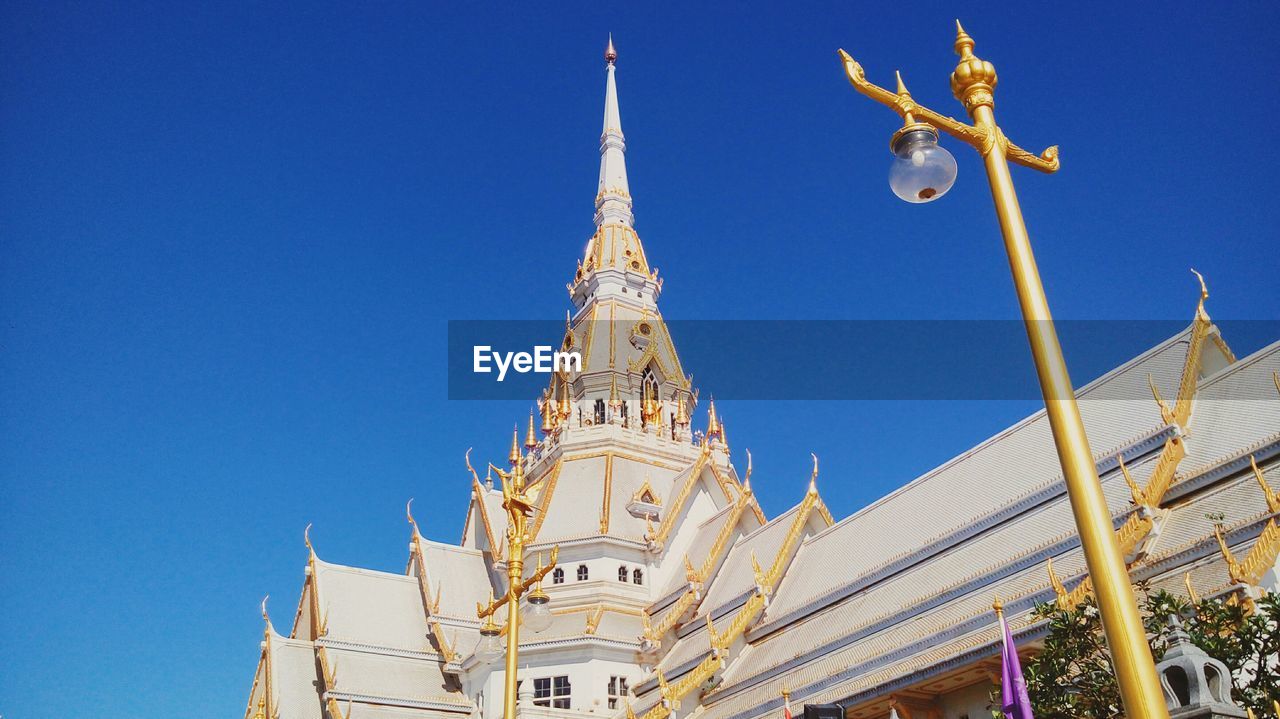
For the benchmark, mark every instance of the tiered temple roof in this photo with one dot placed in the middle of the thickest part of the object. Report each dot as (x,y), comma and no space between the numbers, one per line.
(715,610)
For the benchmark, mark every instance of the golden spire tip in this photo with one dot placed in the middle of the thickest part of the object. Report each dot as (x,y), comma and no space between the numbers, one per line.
(997,604)
(902,88)
(964,43)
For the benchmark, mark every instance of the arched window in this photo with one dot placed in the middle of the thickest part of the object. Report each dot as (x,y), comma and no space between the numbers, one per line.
(557,576)
(622,574)
(582,572)
(649,387)
(599,418)
(637,577)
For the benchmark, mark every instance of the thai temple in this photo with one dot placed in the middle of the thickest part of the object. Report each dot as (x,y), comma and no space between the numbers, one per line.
(674,595)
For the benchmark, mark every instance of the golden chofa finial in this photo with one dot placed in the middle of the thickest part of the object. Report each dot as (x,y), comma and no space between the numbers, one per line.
(746,482)
(408,513)
(265,617)
(813,478)
(610,54)
(306,539)
(996,604)
(974,79)
(514,456)
(530,438)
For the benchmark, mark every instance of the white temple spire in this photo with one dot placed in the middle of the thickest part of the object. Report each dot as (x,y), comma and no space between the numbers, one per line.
(613,199)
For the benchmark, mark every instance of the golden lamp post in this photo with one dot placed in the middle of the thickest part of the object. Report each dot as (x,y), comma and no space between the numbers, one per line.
(923,171)
(538,615)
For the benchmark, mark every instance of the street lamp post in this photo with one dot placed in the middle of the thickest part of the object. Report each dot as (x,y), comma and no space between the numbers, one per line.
(519,509)
(921,173)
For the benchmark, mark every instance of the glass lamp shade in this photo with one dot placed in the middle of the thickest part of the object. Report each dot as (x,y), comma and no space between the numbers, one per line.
(537,616)
(490,648)
(922,171)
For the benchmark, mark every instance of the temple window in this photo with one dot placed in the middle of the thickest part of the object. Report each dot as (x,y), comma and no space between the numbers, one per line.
(557,576)
(617,691)
(622,574)
(637,577)
(551,692)
(582,572)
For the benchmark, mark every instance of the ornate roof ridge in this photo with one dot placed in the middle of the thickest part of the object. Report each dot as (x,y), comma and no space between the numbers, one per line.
(398,576)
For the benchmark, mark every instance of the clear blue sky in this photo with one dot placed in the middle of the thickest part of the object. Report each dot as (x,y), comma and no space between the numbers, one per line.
(232,235)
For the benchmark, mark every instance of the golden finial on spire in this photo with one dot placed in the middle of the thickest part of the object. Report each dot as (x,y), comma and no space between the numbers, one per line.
(514,456)
(530,439)
(614,401)
(548,408)
(610,54)
(713,424)
(964,43)
(902,88)
(262,712)
(996,604)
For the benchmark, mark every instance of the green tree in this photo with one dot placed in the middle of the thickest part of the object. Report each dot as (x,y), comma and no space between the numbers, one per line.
(1071,676)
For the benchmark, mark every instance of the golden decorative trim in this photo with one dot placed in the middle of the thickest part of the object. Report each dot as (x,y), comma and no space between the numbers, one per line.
(1191,367)
(638,495)
(1262,556)
(1139,524)
(623,455)
(328,683)
(494,547)
(593,619)
(608,493)
(613,339)
(544,499)
(743,618)
(431,606)
(695,472)
(591,335)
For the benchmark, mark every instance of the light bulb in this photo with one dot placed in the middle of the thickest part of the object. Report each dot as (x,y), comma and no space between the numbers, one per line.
(490,648)
(537,615)
(922,171)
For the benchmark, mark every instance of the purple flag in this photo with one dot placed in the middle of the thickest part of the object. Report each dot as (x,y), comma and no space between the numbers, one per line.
(1013,688)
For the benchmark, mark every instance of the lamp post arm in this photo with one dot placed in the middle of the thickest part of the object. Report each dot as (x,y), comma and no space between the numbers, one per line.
(979,138)
(497,603)
(543,571)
